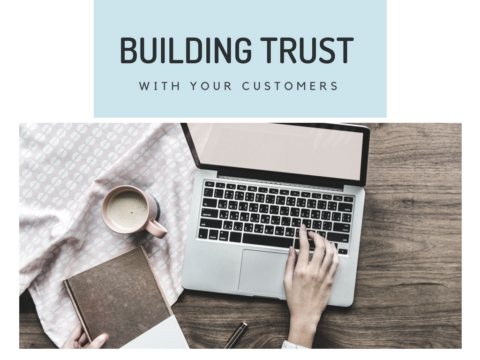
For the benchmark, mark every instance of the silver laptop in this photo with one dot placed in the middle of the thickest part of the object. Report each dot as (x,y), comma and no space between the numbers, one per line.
(256,184)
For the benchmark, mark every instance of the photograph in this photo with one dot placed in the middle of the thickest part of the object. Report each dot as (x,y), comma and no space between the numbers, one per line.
(254,235)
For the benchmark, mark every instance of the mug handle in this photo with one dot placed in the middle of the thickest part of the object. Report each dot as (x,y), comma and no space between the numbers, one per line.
(154,228)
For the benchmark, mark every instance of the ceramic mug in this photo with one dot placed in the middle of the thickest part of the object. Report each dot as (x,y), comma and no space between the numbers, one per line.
(127,210)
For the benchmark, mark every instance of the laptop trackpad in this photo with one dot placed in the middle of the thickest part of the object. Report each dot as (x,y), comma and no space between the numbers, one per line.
(262,273)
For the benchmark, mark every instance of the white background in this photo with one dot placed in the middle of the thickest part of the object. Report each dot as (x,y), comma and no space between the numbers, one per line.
(46,72)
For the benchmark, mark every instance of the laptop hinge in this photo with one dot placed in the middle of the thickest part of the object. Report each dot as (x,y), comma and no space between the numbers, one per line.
(319,186)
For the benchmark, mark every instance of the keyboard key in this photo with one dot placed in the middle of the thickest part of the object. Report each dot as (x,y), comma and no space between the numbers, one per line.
(327,225)
(284,192)
(241,187)
(263,190)
(210,223)
(238,226)
(274,209)
(296,222)
(269,229)
(235,237)
(312,204)
(209,183)
(348,199)
(336,245)
(210,213)
(301,202)
(311,244)
(270,199)
(223,236)
(249,196)
(248,227)
(231,186)
(223,214)
(229,194)
(315,214)
(291,201)
(290,232)
(243,206)
(213,235)
(279,231)
(232,205)
(327,197)
(260,198)
(306,194)
(316,196)
(346,217)
(209,203)
(258,229)
(308,223)
(252,188)
(286,221)
(297,232)
(304,213)
(295,193)
(343,251)
(234,215)
(326,215)
(317,225)
(280,200)
(253,207)
(274,241)
(222,204)
(276,220)
(294,212)
(332,205)
(322,205)
(239,195)
(218,193)
(227,225)
(337,198)
(255,218)
(265,219)
(340,227)
(220,185)
(338,237)
(322,233)
(284,210)
(345,207)
(336,216)
(202,233)
(208,192)
(273,191)
(244,216)
(264,209)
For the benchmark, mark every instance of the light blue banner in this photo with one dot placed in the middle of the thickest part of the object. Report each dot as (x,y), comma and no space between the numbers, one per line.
(355,88)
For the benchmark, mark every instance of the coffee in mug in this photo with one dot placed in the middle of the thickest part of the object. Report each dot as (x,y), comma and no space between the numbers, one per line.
(127,209)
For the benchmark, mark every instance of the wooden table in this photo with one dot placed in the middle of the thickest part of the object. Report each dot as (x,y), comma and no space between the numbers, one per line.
(408,292)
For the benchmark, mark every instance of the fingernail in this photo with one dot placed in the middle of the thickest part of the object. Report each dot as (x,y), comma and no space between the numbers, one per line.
(101,339)
(303,227)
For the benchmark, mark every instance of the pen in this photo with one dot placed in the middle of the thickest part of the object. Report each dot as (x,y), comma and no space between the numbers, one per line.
(236,334)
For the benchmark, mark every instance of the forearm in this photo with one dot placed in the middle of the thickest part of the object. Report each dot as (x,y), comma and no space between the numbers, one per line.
(302,333)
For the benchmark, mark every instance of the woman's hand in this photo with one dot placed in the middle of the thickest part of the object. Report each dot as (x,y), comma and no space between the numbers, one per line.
(308,285)
(78,340)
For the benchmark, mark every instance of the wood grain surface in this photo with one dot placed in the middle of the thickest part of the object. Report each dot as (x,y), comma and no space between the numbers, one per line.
(408,292)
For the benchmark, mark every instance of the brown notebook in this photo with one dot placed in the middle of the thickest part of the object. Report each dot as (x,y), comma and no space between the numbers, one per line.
(121,297)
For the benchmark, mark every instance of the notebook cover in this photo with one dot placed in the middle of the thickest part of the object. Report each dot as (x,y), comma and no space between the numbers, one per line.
(121,297)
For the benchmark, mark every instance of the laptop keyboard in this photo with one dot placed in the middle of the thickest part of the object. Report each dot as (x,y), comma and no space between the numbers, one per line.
(271,216)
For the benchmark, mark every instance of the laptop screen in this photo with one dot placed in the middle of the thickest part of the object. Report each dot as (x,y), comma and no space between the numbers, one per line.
(280,148)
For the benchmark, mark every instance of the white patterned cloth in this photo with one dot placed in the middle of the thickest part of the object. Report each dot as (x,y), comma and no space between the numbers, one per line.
(65,171)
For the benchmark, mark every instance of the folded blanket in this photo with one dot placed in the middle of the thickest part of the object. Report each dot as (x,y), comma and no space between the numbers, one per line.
(65,171)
